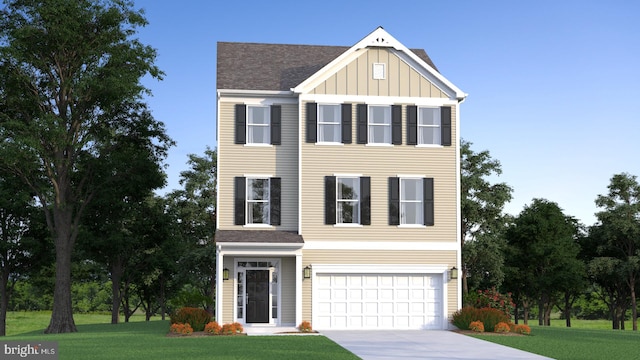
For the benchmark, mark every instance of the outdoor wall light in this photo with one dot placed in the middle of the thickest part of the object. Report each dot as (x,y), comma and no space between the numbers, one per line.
(225,274)
(307,272)
(454,273)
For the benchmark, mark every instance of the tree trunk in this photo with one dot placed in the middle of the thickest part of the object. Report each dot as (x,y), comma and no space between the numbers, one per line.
(525,311)
(515,313)
(465,287)
(4,301)
(567,308)
(634,309)
(541,311)
(116,275)
(163,301)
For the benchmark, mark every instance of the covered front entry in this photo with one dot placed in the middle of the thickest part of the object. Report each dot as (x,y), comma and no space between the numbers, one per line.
(257,296)
(258,290)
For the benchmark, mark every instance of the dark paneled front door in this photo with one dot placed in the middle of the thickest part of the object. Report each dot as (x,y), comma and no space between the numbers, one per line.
(257,296)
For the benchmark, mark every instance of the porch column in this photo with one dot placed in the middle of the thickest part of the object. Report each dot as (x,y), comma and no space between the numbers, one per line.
(298,288)
(219,269)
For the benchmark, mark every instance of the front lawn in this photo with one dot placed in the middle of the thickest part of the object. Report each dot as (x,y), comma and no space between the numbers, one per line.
(574,343)
(148,340)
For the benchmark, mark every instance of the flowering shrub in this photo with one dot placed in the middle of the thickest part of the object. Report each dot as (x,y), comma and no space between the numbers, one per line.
(213,328)
(502,327)
(305,326)
(522,329)
(195,317)
(228,329)
(238,327)
(490,298)
(476,326)
(463,317)
(178,328)
(491,317)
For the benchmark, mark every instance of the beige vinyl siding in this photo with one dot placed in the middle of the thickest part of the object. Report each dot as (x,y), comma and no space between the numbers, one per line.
(369,257)
(357,78)
(288,290)
(380,163)
(276,160)
(227,293)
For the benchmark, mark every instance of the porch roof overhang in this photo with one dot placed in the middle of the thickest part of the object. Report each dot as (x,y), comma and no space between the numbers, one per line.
(258,240)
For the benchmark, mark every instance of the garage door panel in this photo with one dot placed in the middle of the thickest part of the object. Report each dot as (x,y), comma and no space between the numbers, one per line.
(376,301)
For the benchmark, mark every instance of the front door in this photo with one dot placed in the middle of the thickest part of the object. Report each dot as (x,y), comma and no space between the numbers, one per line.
(257,296)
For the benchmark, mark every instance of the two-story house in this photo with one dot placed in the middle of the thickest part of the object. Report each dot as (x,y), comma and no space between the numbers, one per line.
(338,186)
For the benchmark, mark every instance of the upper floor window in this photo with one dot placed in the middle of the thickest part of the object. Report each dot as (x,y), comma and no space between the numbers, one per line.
(257,124)
(257,201)
(379,124)
(328,123)
(347,200)
(411,201)
(429,131)
(429,125)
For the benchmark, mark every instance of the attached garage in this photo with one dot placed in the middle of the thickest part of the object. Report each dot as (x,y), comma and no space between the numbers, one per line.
(377,300)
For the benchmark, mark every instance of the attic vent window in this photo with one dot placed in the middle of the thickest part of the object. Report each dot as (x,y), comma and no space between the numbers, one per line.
(379,71)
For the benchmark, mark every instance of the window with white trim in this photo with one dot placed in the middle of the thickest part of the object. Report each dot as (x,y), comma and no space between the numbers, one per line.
(411,201)
(258,201)
(258,125)
(347,200)
(329,124)
(429,131)
(379,124)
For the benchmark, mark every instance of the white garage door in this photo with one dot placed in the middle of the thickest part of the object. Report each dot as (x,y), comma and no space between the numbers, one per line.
(377,301)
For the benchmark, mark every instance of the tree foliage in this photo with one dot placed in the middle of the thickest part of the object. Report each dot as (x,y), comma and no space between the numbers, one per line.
(70,75)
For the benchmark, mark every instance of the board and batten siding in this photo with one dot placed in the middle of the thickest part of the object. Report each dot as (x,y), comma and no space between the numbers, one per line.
(276,160)
(379,163)
(356,78)
(366,257)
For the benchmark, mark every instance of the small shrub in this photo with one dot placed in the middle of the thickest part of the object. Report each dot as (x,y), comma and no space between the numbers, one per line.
(512,327)
(522,329)
(491,317)
(463,317)
(502,327)
(179,328)
(195,317)
(491,298)
(228,329)
(476,326)
(238,327)
(305,326)
(213,328)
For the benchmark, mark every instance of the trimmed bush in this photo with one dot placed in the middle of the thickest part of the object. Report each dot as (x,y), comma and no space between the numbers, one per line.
(228,329)
(502,327)
(179,328)
(522,329)
(491,317)
(213,328)
(238,327)
(491,298)
(195,317)
(305,326)
(463,317)
(476,326)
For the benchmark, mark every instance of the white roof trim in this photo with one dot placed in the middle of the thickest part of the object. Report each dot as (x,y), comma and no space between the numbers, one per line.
(378,38)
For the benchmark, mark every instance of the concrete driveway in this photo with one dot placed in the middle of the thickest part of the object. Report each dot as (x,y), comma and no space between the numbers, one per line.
(417,344)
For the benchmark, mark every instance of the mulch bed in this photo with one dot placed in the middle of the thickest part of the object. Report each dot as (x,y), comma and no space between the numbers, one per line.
(469,332)
(199,334)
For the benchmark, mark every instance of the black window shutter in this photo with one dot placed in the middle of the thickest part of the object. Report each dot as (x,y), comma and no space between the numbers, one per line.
(241,124)
(361,126)
(428,201)
(445,119)
(365,200)
(330,200)
(274,200)
(346,123)
(412,125)
(312,122)
(240,197)
(396,124)
(394,201)
(276,124)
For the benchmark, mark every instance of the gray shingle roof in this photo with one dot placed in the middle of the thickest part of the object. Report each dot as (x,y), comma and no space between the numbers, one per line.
(279,67)
(257,236)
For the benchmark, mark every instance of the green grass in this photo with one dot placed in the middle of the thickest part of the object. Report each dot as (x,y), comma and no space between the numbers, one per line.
(148,340)
(584,340)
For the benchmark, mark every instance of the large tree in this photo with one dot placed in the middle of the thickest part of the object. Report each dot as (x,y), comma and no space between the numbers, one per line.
(619,232)
(70,74)
(482,219)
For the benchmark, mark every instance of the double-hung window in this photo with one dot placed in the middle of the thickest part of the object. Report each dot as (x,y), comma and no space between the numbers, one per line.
(411,201)
(429,132)
(329,125)
(258,125)
(257,200)
(347,200)
(379,124)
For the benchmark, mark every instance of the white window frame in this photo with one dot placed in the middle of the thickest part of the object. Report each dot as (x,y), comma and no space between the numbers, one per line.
(386,125)
(437,127)
(249,202)
(420,201)
(321,123)
(356,206)
(250,109)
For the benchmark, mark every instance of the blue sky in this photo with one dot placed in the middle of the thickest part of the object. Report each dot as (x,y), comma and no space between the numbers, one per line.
(554,86)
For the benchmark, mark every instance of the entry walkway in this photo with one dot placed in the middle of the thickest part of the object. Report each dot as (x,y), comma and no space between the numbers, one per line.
(423,344)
